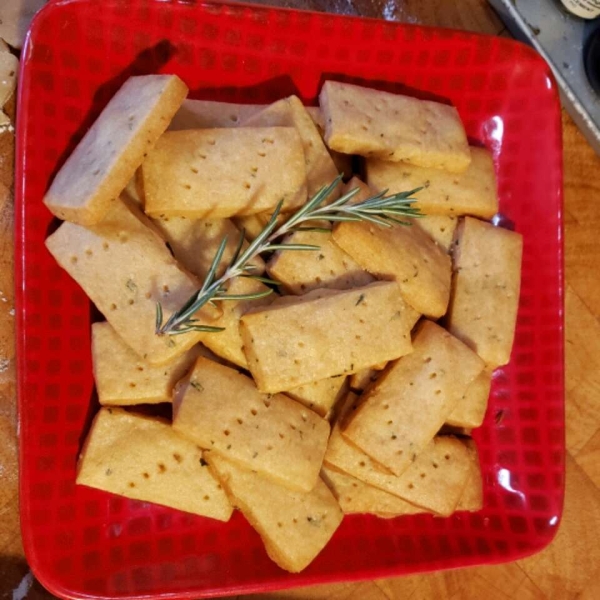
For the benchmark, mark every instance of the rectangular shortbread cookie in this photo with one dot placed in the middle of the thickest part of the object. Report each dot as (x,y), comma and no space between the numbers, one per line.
(294,526)
(123,378)
(486,286)
(405,254)
(104,161)
(404,409)
(297,340)
(221,410)
(218,173)
(145,459)
(393,127)
(125,268)
(472,192)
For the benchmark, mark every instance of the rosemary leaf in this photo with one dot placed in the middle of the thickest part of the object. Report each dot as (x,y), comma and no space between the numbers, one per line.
(285,246)
(238,249)
(345,198)
(344,217)
(252,249)
(262,279)
(399,222)
(203,328)
(159,316)
(252,296)
(314,229)
(215,263)
(376,220)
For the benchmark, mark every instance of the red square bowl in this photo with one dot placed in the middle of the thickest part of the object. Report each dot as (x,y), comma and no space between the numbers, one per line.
(83,543)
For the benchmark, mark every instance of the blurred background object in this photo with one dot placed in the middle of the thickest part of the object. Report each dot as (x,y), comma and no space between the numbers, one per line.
(15,16)
(586,9)
(592,60)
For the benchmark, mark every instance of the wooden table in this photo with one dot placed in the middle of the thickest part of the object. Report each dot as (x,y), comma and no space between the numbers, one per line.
(570,567)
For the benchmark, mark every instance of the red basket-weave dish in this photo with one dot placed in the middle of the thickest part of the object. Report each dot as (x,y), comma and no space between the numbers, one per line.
(86,543)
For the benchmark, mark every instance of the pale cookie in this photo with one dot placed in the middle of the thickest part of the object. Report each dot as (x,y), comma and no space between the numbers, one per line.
(355,496)
(328,267)
(319,396)
(221,410)
(218,173)
(472,192)
(126,269)
(431,481)
(472,496)
(470,410)
(486,284)
(440,229)
(405,254)
(401,413)
(123,378)
(393,127)
(301,339)
(289,112)
(104,161)
(9,67)
(145,459)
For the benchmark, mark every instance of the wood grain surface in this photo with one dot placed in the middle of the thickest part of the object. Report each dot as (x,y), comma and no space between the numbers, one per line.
(570,567)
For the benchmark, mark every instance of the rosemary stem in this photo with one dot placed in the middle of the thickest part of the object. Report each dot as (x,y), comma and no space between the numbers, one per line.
(378,209)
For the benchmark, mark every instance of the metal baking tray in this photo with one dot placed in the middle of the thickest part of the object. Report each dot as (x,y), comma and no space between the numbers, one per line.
(560,38)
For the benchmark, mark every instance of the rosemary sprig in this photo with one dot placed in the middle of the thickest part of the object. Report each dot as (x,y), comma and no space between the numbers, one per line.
(378,209)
